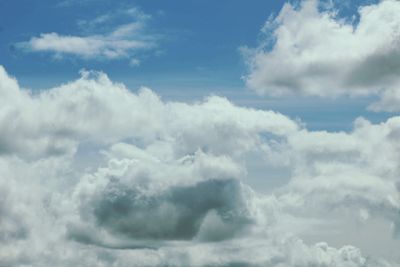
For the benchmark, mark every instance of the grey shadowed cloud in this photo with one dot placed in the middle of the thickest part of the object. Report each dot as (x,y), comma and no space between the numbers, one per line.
(214,209)
(311,51)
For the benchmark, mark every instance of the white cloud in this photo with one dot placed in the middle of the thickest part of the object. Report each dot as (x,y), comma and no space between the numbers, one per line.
(116,42)
(315,53)
(93,174)
(346,173)
(94,108)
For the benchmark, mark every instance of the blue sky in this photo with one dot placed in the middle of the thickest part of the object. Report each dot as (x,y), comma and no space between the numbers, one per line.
(199,40)
(196,51)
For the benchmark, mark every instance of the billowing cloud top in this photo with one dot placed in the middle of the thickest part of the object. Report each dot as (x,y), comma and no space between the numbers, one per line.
(314,52)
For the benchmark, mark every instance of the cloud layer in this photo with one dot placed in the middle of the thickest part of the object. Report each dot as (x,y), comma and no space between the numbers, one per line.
(309,50)
(94,174)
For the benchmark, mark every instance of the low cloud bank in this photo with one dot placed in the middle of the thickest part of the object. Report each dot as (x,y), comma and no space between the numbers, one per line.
(93,174)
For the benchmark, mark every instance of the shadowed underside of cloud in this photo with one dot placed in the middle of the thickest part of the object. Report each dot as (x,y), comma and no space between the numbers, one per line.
(313,52)
(209,210)
(93,174)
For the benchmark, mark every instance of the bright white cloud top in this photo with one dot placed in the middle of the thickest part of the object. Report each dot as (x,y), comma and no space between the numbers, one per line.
(316,53)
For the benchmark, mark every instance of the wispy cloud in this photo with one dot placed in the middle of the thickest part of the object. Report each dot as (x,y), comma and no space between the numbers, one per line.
(110,42)
(106,20)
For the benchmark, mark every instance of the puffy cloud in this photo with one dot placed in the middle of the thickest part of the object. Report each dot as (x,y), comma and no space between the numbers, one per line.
(94,109)
(120,41)
(312,51)
(93,174)
(355,172)
(195,198)
(389,101)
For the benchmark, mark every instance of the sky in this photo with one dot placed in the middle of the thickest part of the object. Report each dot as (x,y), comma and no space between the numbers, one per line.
(193,50)
(200,133)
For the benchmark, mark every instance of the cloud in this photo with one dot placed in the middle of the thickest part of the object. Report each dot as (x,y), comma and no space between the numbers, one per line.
(209,210)
(94,174)
(354,174)
(94,108)
(112,42)
(313,52)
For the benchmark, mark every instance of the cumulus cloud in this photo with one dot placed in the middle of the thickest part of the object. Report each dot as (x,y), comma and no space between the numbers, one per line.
(198,197)
(93,174)
(311,51)
(119,41)
(87,109)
